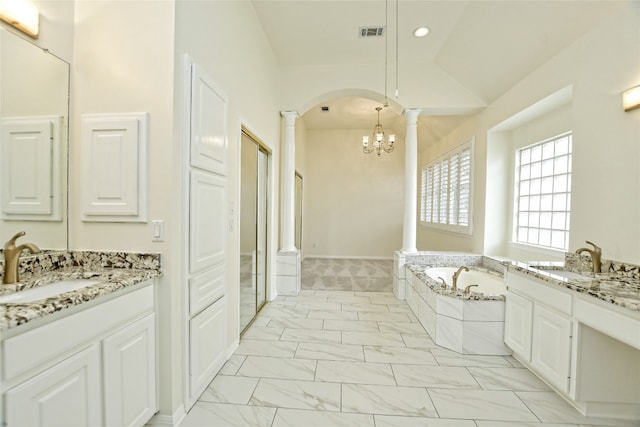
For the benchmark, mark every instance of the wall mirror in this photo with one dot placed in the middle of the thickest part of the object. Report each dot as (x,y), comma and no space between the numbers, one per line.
(34,113)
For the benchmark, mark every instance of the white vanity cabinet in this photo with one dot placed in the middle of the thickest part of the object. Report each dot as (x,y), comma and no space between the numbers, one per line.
(96,366)
(538,328)
(551,346)
(67,394)
(586,349)
(518,324)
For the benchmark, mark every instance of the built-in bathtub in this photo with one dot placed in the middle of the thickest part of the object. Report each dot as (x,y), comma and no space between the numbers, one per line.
(470,323)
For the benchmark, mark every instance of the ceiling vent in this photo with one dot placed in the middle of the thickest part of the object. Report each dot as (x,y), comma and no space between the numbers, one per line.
(371,31)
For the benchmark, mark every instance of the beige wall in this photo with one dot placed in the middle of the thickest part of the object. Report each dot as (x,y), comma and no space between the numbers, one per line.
(354,202)
(606,151)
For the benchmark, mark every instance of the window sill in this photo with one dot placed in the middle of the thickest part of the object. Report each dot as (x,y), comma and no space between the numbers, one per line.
(460,232)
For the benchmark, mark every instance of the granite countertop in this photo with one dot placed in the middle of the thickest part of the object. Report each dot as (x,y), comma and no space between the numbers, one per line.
(114,271)
(419,271)
(613,287)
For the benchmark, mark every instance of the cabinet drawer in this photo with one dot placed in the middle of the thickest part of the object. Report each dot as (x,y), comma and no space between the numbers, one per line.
(540,292)
(42,347)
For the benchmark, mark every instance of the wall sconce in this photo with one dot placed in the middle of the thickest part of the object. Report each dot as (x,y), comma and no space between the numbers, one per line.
(22,14)
(631,98)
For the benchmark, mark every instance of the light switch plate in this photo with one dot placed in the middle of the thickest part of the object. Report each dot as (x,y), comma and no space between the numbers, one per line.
(157,234)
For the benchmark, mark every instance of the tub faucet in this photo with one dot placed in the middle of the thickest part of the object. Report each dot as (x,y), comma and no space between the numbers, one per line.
(12,257)
(467,290)
(595,253)
(454,287)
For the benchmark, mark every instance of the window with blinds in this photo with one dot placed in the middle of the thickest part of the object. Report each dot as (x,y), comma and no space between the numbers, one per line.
(542,194)
(446,191)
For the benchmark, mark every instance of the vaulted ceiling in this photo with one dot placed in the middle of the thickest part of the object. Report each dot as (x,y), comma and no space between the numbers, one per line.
(486,46)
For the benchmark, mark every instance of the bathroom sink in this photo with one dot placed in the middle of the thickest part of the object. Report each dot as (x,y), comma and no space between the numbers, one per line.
(46,291)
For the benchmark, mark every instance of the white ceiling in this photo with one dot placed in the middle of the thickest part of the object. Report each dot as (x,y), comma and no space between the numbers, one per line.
(486,46)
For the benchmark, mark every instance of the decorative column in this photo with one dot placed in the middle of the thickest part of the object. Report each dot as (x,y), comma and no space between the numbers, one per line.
(288,263)
(410,202)
(410,181)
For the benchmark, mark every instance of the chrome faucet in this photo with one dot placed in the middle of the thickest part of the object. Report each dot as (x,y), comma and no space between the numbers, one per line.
(595,253)
(454,287)
(12,257)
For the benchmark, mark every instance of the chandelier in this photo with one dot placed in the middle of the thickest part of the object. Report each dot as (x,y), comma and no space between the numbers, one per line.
(380,142)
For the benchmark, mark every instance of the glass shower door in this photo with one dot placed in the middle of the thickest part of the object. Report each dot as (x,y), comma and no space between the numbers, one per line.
(248,229)
(254,201)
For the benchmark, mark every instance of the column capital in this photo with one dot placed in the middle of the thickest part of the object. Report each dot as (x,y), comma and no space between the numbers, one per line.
(289,116)
(412,114)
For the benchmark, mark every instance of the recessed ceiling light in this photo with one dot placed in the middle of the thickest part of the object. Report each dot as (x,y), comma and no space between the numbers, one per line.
(421,32)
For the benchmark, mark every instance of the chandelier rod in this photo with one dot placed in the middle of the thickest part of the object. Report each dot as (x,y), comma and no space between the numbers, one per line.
(397,49)
(386,49)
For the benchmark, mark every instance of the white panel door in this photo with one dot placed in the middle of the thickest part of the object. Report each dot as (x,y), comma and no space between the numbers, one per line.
(27,155)
(208,123)
(518,324)
(551,346)
(130,374)
(207,228)
(113,167)
(68,394)
(207,345)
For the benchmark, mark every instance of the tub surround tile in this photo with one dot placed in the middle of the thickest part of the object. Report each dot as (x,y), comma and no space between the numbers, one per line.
(485,338)
(387,400)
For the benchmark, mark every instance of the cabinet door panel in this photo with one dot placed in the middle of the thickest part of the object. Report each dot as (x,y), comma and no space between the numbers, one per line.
(208,222)
(129,374)
(207,345)
(518,324)
(551,346)
(68,394)
(208,123)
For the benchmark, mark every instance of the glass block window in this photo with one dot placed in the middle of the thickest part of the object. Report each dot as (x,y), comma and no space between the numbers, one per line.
(445,188)
(543,193)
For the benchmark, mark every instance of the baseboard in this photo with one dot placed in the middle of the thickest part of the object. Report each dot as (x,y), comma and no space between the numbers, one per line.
(233,347)
(167,420)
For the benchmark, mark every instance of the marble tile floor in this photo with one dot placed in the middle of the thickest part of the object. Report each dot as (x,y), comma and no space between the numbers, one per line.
(348,358)
(347,274)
